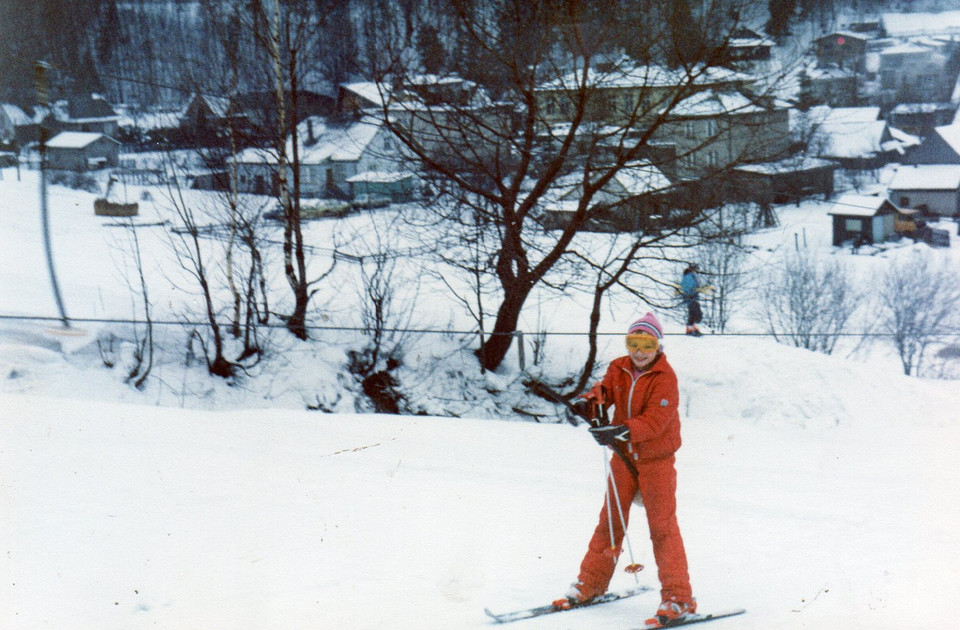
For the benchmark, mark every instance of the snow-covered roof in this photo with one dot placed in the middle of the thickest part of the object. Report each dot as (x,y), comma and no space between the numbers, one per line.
(850,132)
(75,139)
(858,205)
(845,35)
(715,103)
(330,143)
(790,165)
(927,177)
(380,177)
(637,76)
(368,90)
(906,48)
(917,24)
(950,134)
(632,180)
(16,115)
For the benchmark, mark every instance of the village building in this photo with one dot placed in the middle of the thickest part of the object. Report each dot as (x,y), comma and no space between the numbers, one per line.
(91,113)
(716,130)
(914,72)
(862,220)
(330,154)
(15,125)
(638,197)
(942,146)
(920,119)
(856,138)
(933,189)
(784,181)
(842,49)
(829,85)
(82,151)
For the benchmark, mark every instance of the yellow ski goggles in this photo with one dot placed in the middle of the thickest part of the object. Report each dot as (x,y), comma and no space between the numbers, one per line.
(644,343)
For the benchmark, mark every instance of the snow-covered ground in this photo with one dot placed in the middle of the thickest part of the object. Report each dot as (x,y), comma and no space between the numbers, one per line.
(814,491)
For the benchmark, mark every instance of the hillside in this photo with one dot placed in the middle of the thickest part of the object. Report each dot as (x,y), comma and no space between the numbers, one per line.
(814,491)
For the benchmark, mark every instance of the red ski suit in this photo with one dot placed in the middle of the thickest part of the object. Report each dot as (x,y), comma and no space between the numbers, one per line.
(647,404)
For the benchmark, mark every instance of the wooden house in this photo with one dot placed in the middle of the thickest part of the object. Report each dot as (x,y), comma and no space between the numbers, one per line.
(862,219)
(843,49)
(784,181)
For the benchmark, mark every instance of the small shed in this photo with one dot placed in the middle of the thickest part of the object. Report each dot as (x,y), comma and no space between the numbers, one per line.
(862,219)
(932,188)
(82,151)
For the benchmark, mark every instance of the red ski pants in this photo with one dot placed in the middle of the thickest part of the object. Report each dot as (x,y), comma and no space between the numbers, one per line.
(657,483)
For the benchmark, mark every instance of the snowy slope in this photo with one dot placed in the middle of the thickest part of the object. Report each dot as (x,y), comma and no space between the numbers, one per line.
(808,494)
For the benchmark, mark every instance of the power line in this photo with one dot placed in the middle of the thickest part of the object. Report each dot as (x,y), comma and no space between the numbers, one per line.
(429,331)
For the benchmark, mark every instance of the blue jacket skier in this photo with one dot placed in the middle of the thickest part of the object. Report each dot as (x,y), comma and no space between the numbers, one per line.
(690,291)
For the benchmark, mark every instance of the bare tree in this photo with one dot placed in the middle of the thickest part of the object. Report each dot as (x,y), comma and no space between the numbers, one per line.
(919,302)
(540,103)
(807,301)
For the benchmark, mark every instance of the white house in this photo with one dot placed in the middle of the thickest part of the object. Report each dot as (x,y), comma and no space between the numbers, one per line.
(82,150)
(932,188)
(329,155)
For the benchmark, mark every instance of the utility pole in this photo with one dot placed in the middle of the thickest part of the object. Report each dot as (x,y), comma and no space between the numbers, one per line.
(43,99)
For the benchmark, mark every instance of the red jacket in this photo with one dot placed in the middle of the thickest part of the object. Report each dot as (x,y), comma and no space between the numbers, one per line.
(647,404)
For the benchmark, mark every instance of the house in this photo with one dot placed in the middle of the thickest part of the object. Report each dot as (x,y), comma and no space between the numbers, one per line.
(714,130)
(855,138)
(91,113)
(329,155)
(843,49)
(829,85)
(746,45)
(862,219)
(205,115)
(920,119)
(360,96)
(636,198)
(942,146)
(934,189)
(624,93)
(913,72)
(82,151)
(13,122)
(252,115)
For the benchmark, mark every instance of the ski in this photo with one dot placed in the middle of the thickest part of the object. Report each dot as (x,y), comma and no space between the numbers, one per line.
(694,618)
(607,597)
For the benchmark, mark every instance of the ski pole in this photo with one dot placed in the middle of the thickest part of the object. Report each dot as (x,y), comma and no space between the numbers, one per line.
(633,567)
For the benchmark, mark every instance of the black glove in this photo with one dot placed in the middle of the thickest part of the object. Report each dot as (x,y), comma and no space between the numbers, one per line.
(586,409)
(610,434)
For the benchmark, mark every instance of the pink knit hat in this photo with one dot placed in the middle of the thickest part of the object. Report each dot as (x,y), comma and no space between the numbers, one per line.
(646,325)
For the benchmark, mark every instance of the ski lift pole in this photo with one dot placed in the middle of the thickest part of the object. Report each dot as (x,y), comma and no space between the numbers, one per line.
(42,98)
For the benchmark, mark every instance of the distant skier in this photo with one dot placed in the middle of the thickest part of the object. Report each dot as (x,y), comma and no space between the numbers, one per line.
(645,434)
(690,290)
